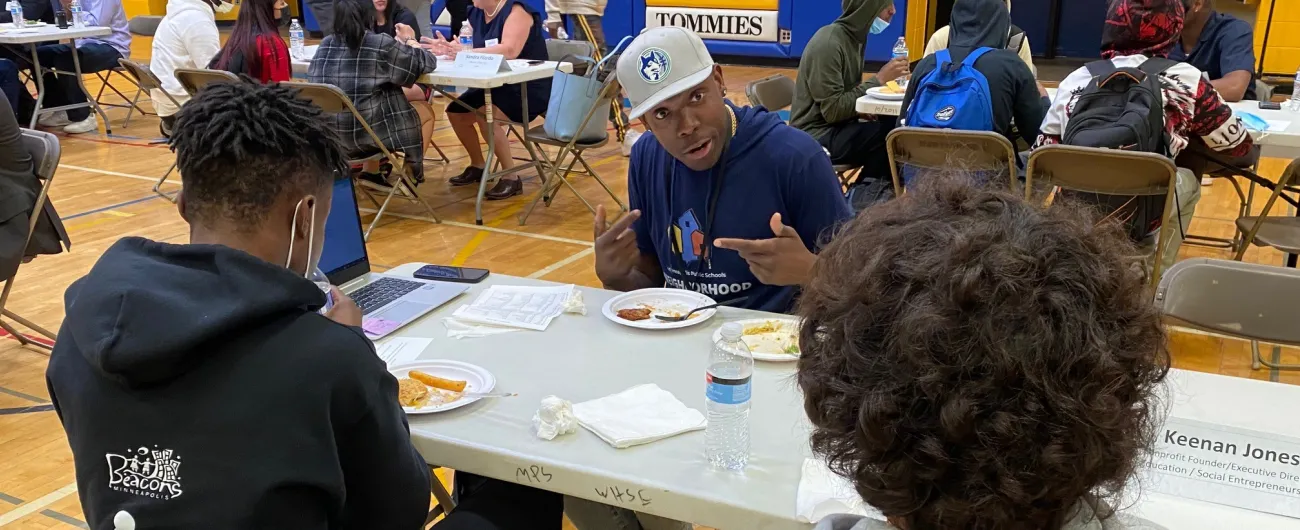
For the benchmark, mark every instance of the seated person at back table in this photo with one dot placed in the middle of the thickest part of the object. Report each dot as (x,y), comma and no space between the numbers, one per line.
(374,71)
(1017,42)
(971,360)
(728,201)
(1014,92)
(512,28)
(204,359)
(1196,117)
(95,54)
(1220,45)
(186,38)
(255,48)
(830,83)
(390,13)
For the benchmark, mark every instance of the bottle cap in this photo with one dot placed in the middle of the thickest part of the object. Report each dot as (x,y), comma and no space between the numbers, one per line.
(732,331)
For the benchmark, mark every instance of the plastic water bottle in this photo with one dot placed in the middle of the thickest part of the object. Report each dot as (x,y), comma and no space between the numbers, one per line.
(466,36)
(16,11)
(78,18)
(296,41)
(727,393)
(900,50)
(1295,93)
(323,282)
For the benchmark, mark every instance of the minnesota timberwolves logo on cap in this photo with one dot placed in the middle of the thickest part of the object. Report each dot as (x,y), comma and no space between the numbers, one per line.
(655,65)
(946,113)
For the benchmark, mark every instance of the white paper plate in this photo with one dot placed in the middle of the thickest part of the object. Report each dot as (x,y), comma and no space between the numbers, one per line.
(765,348)
(661,302)
(476,379)
(879,93)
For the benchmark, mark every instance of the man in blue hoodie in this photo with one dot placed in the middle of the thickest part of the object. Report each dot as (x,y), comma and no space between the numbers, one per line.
(727,201)
(198,384)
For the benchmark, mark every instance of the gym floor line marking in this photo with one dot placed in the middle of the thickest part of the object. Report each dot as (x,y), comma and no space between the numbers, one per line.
(65,518)
(23,510)
(10,498)
(26,410)
(21,395)
(468,250)
(111,207)
(563,263)
(169,182)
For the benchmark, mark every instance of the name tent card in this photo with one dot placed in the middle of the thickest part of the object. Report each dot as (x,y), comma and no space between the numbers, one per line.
(1225,465)
(481,63)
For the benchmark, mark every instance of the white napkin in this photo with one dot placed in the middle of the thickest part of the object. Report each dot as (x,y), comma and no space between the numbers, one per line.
(638,415)
(458,329)
(553,418)
(823,493)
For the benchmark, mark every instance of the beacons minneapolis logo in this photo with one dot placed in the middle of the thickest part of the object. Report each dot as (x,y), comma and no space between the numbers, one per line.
(145,472)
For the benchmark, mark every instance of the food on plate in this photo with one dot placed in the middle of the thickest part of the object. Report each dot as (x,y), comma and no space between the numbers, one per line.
(438,382)
(634,314)
(772,337)
(893,88)
(412,393)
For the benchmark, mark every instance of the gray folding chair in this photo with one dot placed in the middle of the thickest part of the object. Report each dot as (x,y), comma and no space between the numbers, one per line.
(143,26)
(944,149)
(776,92)
(1108,172)
(1279,232)
(147,81)
(45,152)
(558,49)
(331,100)
(1246,300)
(551,183)
(194,79)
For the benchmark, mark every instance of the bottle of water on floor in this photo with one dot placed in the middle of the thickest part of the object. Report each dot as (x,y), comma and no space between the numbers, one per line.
(16,14)
(900,50)
(1295,93)
(727,393)
(78,18)
(466,36)
(296,40)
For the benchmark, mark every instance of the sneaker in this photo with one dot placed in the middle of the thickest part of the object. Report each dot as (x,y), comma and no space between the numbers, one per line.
(629,140)
(471,175)
(90,124)
(54,119)
(1206,181)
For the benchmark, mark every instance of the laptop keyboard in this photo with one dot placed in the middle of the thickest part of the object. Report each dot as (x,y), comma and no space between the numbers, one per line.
(382,291)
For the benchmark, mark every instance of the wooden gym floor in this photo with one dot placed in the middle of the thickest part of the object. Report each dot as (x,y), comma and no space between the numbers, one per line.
(102,190)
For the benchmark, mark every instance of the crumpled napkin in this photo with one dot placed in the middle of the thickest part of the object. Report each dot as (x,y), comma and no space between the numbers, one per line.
(574,305)
(458,329)
(823,493)
(553,418)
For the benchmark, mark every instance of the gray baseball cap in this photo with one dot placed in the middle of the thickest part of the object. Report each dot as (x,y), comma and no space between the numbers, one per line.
(661,63)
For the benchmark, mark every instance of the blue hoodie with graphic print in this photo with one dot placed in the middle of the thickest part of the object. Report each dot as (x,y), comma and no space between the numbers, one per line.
(770,168)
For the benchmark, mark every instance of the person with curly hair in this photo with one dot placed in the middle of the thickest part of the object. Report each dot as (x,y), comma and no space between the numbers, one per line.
(972,361)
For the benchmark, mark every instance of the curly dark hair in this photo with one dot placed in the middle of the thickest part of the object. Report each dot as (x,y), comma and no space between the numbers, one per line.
(973,361)
(240,145)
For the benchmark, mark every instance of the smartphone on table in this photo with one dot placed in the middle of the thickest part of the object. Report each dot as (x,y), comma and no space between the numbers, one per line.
(444,273)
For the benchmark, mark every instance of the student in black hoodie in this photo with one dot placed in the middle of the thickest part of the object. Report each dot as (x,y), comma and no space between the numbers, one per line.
(1015,94)
(197,383)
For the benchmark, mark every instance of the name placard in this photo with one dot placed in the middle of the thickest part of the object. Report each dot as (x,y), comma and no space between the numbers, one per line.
(481,63)
(1225,465)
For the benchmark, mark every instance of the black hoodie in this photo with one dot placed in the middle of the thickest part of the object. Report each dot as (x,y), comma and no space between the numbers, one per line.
(200,389)
(987,24)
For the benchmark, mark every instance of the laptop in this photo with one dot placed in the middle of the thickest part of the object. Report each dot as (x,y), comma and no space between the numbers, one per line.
(387,302)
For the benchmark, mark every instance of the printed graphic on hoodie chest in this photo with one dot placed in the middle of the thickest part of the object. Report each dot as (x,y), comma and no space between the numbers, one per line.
(153,473)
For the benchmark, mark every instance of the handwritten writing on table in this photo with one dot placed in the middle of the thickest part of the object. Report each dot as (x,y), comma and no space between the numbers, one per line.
(533,474)
(624,495)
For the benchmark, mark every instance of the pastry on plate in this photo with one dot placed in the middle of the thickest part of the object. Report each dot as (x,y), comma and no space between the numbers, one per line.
(412,393)
(634,314)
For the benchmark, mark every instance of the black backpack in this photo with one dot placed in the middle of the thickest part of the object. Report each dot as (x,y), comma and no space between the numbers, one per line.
(1123,108)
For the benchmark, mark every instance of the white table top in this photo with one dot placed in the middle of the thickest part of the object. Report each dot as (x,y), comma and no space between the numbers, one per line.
(1284,144)
(48,33)
(447,75)
(884,107)
(586,357)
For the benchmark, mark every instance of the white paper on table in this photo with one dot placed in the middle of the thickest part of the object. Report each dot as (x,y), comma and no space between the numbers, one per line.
(823,493)
(1278,125)
(465,330)
(516,306)
(398,350)
(308,52)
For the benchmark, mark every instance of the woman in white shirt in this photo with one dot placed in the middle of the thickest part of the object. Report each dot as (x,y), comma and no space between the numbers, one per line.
(186,38)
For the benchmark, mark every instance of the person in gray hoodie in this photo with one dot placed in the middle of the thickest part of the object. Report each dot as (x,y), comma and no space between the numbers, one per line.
(971,360)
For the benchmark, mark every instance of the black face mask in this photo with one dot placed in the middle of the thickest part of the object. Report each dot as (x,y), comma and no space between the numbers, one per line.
(283,21)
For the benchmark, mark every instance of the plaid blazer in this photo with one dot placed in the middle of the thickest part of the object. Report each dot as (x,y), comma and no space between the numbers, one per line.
(373,76)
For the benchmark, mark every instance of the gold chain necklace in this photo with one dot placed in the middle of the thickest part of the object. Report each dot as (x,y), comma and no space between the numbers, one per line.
(493,14)
(732,113)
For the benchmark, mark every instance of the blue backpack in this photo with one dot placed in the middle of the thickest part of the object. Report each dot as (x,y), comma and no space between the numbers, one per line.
(953,96)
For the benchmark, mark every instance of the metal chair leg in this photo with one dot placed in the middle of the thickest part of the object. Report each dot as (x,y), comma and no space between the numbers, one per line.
(158,185)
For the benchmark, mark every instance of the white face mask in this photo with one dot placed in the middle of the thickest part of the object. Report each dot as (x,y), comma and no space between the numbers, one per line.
(224,7)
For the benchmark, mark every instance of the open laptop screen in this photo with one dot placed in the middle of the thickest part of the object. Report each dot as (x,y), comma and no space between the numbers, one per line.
(344,257)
